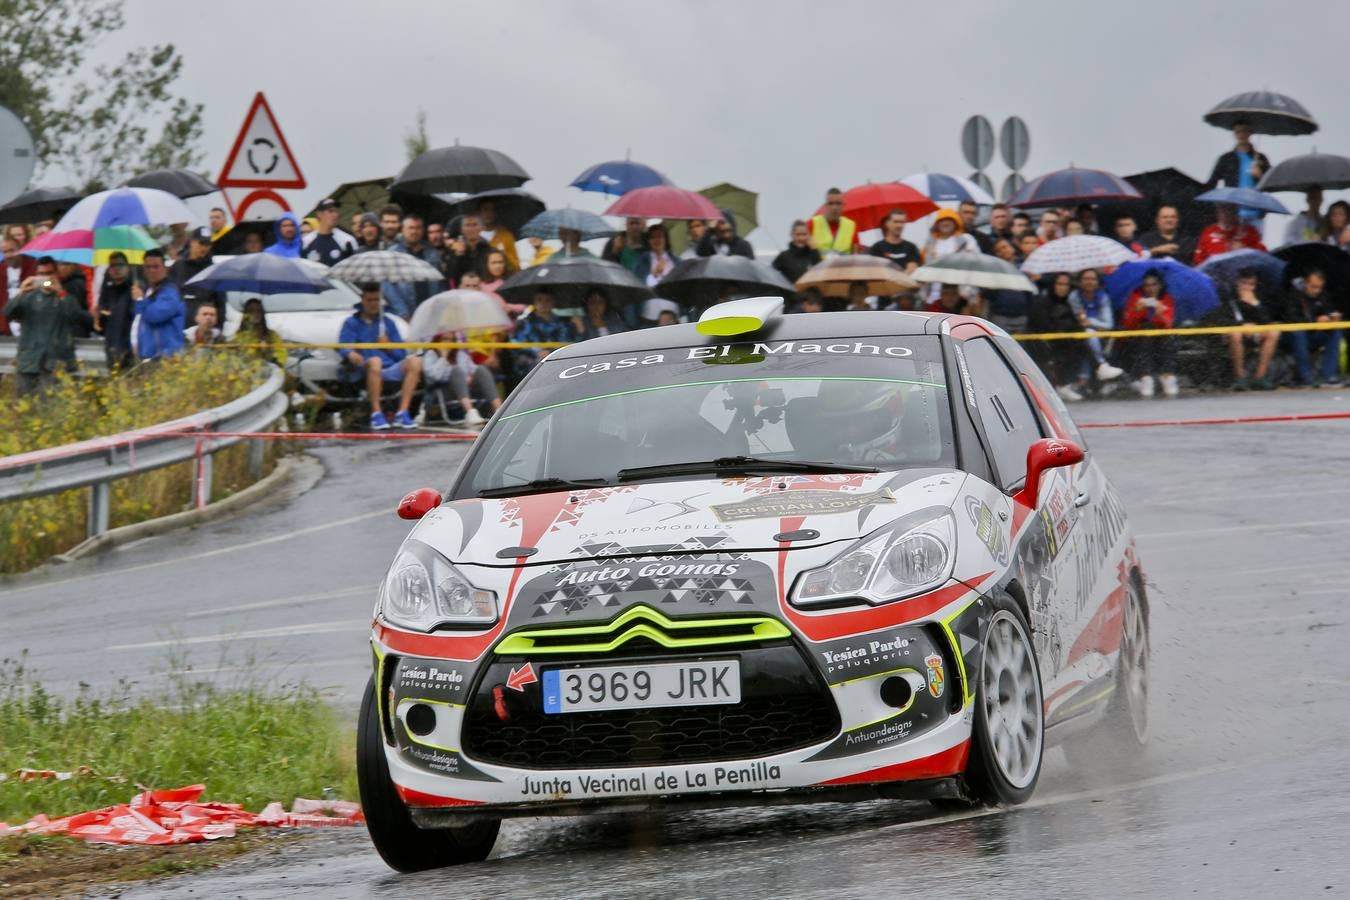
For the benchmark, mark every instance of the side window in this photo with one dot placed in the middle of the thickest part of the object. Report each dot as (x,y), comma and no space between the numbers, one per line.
(1010,424)
(1043,395)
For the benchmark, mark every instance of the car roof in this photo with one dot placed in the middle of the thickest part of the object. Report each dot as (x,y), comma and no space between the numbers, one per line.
(790,327)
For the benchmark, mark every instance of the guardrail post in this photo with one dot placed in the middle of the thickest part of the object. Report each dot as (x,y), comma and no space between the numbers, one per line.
(100,500)
(202,475)
(256,457)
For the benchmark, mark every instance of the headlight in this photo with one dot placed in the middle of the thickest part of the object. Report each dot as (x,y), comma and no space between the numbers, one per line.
(423,590)
(899,562)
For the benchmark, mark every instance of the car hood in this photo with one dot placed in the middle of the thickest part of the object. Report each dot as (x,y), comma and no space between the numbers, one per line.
(678,517)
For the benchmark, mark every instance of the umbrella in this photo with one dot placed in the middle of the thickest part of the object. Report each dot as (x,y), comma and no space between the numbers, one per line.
(1076,253)
(1311,170)
(125,206)
(182,183)
(868,204)
(833,276)
(458,310)
(1248,197)
(261,273)
(975,270)
(948,188)
(703,280)
(1265,111)
(1193,291)
(1072,185)
(570,280)
(514,206)
(664,202)
(1334,263)
(231,241)
(617,177)
(1158,187)
(546,224)
(92,248)
(360,197)
(38,204)
(459,168)
(742,204)
(384,266)
(1224,267)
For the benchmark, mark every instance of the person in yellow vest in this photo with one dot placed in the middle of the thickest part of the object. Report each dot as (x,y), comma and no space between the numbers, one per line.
(831,231)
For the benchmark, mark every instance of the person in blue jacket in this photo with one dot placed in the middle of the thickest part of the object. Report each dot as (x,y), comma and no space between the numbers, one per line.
(369,325)
(160,308)
(289,243)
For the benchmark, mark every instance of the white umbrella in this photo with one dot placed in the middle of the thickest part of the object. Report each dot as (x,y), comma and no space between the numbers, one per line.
(125,206)
(457,310)
(1076,253)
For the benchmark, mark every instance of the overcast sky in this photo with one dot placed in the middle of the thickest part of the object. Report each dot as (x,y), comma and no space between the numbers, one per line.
(783,97)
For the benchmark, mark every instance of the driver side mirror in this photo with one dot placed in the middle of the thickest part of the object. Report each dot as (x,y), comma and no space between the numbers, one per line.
(1043,455)
(418,503)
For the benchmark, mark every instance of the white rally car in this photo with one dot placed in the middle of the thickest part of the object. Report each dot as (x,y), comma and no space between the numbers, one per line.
(763,559)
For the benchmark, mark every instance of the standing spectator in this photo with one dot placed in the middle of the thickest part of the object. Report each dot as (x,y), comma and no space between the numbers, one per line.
(722,240)
(469,251)
(1008,308)
(494,272)
(217,223)
(436,238)
(160,308)
(368,234)
(17,269)
(391,222)
(1166,240)
(599,318)
(1124,230)
(1027,244)
(1338,218)
(893,246)
(1093,309)
(327,243)
(1149,306)
(969,213)
(1086,216)
(253,242)
(1226,234)
(74,283)
(1307,225)
(1073,228)
(696,229)
(49,318)
(1021,224)
(355,224)
(539,325)
(571,247)
(832,232)
(799,256)
(175,244)
(1000,223)
(627,247)
(1062,360)
(810,301)
(657,261)
(404,297)
(498,235)
(1246,308)
(1307,302)
(370,325)
(116,312)
(948,237)
(19,234)
(289,242)
(203,332)
(1242,166)
(1051,227)
(197,260)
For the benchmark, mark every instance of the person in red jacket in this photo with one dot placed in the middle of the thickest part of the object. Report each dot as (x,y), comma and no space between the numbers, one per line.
(1226,234)
(1150,306)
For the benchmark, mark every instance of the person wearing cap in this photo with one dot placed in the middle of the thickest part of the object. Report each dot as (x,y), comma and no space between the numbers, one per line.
(327,243)
(190,265)
(116,312)
(368,234)
(370,325)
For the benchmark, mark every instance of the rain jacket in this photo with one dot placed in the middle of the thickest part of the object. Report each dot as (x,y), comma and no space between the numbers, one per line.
(115,297)
(162,321)
(793,262)
(356,330)
(49,324)
(286,248)
(1137,315)
(711,245)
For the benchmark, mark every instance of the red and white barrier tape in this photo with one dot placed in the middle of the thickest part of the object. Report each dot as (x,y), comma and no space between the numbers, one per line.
(1232,420)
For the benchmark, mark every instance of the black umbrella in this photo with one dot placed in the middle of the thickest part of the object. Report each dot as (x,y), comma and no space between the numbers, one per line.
(1311,170)
(231,242)
(1331,260)
(38,204)
(459,169)
(181,183)
(1265,111)
(570,280)
(705,280)
(1158,187)
(514,206)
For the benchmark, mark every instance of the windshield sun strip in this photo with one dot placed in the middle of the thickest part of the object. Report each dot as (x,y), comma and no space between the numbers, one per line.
(667,387)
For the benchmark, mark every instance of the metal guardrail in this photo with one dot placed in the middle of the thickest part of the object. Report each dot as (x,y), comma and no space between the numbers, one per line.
(88,353)
(98,462)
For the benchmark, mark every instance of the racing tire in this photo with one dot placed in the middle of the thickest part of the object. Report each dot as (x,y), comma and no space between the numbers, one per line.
(1008,739)
(403,845)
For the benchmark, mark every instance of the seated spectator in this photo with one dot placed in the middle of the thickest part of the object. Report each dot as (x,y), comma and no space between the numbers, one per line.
(370,325)
(1007,309)
(49,319)
(858,298)
(160,308)
(810,301)
(893,246)
(668,317)
(598,319)
(539,324)
(722,240)
(1093,309)
(256,338)
(115,313)
(470,375)
(1228,233)
(952,299)
(204,332)
(1124,230)
(1061,360)
(1149,306)
(656,261)
(1307,302)
(799,256)
(1246,308)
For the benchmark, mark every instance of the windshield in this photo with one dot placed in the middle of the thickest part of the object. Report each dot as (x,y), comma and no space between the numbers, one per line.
(339,295)
(869,402)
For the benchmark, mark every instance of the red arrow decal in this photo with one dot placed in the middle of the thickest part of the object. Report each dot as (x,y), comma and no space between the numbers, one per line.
(518,678)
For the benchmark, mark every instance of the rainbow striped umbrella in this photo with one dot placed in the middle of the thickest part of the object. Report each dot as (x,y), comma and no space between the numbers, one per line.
(92,247)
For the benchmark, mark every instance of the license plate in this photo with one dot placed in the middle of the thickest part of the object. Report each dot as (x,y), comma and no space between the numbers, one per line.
(591,688)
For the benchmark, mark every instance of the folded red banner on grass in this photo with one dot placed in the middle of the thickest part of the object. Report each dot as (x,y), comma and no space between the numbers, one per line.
(179,817)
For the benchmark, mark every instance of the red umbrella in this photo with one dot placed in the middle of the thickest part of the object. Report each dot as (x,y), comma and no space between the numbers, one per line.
(868,204)
(664,202)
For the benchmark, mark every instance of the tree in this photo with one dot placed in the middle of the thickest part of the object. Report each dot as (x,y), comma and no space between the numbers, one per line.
(98,124)
(416,141)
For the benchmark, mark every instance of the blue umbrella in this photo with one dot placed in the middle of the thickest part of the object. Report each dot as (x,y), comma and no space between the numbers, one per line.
(617,177)
(1225,267)
(1072,185)
(1245,197)
(948,188)
(1193,291)
(546,224)
(263,273)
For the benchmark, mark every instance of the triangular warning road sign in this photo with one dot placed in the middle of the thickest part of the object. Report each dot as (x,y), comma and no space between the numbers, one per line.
(260,156)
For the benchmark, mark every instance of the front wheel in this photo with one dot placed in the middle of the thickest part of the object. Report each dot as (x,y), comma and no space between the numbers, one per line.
(403,845)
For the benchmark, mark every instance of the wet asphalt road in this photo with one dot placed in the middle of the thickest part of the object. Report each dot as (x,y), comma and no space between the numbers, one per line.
(1242,792)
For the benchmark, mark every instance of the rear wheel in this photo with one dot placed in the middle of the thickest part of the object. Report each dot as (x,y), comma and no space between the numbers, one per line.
(400,842)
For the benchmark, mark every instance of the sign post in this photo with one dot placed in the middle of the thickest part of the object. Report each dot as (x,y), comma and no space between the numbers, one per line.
(261,160)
